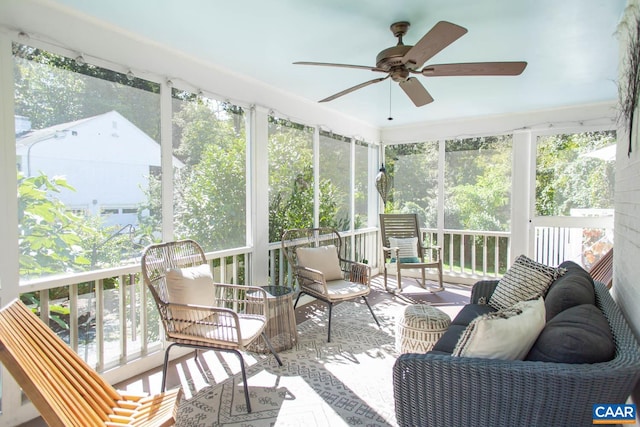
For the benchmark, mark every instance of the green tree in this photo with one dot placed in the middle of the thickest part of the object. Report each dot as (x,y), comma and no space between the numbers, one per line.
(567,178)
(50,237)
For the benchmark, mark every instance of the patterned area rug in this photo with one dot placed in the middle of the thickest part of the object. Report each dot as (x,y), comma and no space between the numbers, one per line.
(345,382)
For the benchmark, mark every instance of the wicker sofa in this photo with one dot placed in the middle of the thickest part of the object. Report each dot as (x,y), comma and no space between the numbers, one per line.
(437,389)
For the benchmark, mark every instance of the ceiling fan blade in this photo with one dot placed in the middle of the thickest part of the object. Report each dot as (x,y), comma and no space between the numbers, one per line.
(351,89)
(414,90)
(440,36)
(330,64)
(475,69)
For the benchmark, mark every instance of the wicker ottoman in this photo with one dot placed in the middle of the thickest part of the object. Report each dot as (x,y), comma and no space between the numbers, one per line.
(419,327)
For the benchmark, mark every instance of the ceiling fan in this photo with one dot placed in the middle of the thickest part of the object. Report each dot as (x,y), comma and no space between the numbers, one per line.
(400,61)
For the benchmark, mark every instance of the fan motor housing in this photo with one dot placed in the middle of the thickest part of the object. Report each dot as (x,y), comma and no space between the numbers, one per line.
(391,57)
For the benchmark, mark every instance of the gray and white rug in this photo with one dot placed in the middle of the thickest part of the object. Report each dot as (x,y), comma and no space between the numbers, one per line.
(345,382)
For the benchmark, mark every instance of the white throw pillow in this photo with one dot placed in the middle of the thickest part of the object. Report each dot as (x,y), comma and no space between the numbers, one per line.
(191,285)
(408,249)
(323,258)
(526,279)
(505,334)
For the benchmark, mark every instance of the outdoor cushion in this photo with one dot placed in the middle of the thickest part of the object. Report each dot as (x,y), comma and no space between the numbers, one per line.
(569,290)
(506,334)
(191,285)
(469,312)
(526,279)
(449,339)
(323,258)
(408,249)
(579,334)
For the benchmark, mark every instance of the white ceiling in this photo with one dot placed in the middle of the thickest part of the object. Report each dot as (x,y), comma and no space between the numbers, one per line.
(570,46)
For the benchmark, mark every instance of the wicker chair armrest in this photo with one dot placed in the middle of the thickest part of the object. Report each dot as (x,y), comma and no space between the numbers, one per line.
(197,314)
(482,291)
(311,278)
(359,272)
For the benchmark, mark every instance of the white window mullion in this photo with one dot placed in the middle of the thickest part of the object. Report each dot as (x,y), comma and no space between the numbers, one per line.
(166,161)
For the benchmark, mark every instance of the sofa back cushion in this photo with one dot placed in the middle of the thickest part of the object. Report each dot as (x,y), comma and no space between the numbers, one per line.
(573,288)
(580,334)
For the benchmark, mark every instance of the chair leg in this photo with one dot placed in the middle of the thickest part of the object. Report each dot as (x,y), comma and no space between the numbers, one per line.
(371,310)
(297,299)
(329,326)
(164,367)
(399,289)
(440,275)
(385,278)
(268,342)
(244,379)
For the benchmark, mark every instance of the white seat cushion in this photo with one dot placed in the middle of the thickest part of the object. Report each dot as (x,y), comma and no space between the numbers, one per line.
(343,288)
(219,329)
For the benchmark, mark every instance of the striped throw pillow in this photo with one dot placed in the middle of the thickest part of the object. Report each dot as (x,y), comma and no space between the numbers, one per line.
(408,249)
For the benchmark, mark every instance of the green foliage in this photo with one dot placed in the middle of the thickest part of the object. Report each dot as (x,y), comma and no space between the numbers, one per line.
(53,89)
(566,178)
(210,189)
(291,189)
(50,237)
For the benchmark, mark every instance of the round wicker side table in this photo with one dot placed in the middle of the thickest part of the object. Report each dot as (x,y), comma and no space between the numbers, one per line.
(281,321)
(419,327)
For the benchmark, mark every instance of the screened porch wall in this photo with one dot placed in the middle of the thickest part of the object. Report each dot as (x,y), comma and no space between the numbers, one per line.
(160,65)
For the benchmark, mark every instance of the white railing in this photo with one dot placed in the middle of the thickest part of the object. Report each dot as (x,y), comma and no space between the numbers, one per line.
(112,319)
(107,316)
(471,254)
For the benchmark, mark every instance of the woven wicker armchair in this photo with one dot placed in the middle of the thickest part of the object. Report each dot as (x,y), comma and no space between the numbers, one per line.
(348,280)
(441,390)
(235,318)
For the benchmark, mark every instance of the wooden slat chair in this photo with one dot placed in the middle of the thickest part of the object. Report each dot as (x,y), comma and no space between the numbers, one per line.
(400,228)
(602,270)
(64,389)
(317,264)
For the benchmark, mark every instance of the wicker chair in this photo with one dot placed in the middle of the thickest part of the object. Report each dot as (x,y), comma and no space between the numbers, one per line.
(64,389)
(348,280)
(442,390)
(405,226)
(235,317)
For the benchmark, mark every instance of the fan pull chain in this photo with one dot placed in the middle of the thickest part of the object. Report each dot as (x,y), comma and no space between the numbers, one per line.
(390,117)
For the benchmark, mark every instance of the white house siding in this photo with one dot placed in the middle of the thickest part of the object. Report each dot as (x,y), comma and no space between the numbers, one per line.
(105,158)
(626,268)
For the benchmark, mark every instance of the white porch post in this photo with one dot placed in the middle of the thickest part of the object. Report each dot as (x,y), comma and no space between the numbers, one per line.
(12,411)
(522,176)
(258,195)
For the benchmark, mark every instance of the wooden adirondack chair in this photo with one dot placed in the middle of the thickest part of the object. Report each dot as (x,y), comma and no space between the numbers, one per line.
(66,391)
